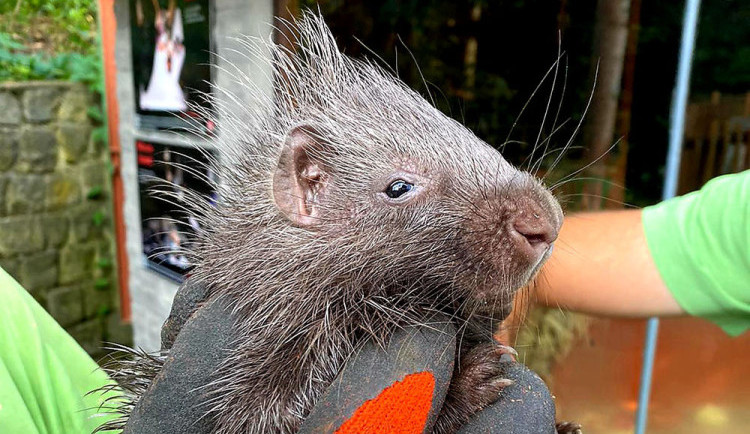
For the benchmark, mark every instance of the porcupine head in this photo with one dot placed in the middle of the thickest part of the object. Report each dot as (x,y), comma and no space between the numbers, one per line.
(350,204)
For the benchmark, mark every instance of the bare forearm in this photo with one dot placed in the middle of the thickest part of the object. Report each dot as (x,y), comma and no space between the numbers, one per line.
(601,265)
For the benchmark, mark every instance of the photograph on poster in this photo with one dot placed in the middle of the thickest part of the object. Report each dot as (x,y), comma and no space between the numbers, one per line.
(171,47)
(166,227)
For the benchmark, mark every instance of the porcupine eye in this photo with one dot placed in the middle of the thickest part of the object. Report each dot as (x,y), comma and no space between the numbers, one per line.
(398,188)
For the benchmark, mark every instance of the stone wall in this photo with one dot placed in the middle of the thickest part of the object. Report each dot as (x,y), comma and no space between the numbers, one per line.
(56,230)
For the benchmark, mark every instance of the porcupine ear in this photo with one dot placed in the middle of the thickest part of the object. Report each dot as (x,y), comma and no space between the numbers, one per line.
(301,179)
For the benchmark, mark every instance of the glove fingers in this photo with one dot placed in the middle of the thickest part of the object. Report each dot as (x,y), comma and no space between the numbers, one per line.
(399,389)
(524,407)
(189,296)
(175,401)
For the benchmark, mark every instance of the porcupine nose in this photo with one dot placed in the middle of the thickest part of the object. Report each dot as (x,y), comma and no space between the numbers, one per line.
(533,229)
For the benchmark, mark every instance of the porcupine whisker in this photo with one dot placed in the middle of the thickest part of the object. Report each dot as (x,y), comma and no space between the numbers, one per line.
(556,65)
(580,122)
(596,160)
(564,88)
(525,106)
(589,178)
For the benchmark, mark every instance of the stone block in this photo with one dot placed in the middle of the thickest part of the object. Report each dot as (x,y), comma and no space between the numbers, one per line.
(3,188)
(37,150)
(76,262)
(73,140)
(89,335)
(38,271)
(10,109)
(25,194)
(54,229)
(40,103)
(65,305)
(118,331)
(99,143)
(94,175)
(11,266)
(104,249)
(8,147)
(74,105)
(82,223)
(96,301)
(63,190)
(21,234)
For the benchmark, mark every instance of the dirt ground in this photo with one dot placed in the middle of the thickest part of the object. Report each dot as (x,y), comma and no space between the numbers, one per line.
(701,382)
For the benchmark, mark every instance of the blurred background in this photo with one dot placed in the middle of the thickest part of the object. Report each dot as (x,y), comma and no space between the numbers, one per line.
(74,148)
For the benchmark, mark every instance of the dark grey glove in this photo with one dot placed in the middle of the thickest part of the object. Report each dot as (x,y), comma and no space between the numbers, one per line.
(198,337)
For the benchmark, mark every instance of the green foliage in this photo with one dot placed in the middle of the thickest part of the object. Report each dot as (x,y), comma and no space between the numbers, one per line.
(18,65)
(99,135)
(98,218)
(103,311)
(104,263)
(53,40)
(101,284)
(95,193)
(50,40)
(71,23)
(95,113)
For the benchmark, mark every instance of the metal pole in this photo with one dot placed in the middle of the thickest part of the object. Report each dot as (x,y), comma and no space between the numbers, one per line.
(676,129)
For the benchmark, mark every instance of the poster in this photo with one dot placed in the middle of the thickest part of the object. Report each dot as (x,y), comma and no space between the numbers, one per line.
(171,48)
(167,229)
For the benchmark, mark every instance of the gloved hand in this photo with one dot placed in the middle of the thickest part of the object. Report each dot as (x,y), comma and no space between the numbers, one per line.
(392,391)
(402,386)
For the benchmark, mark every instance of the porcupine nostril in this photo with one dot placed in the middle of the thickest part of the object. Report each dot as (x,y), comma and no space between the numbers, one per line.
(533,232)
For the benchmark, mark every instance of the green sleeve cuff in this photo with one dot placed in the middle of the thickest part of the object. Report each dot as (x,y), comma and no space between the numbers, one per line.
(45,376)
(700,244)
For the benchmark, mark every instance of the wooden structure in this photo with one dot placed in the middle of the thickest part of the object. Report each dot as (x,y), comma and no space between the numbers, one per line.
(716,141)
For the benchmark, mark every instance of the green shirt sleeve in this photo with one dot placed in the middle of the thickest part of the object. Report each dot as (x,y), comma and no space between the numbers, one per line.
(700,243)
(44,374)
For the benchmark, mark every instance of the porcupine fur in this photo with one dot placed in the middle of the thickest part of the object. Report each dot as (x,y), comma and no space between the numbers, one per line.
(308,295)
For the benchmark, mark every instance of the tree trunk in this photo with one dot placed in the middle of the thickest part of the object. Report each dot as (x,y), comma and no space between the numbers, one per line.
(610,41)
(616,193)
(285,10)
(470,54)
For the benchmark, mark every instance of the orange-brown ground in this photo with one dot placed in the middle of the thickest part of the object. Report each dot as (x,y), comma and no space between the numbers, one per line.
(701,379)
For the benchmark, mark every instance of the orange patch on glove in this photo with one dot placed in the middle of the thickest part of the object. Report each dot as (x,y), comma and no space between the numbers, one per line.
(400,408)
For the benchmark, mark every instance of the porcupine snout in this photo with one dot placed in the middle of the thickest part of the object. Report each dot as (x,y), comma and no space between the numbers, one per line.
(513,225)
(534,226)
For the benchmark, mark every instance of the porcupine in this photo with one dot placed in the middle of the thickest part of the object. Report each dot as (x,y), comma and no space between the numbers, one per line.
(350,206)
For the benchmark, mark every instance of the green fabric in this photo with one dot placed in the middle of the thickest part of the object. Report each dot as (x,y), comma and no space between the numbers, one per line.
(44,374)
(700,243)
